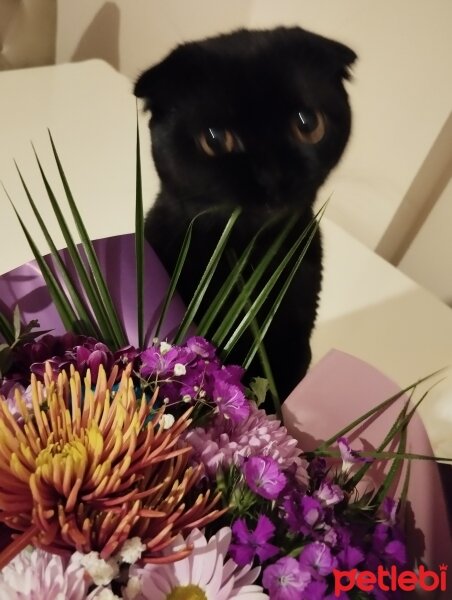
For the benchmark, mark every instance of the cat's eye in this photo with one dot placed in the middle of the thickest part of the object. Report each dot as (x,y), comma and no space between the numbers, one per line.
(215,142)
(308,126)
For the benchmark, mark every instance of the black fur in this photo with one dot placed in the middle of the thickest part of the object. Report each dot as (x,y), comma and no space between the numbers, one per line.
(252,83)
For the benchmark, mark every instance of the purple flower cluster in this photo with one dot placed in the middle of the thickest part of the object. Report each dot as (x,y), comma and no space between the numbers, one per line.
(193,373)
(190,373)
(294,518)
(299,534)
(61,352)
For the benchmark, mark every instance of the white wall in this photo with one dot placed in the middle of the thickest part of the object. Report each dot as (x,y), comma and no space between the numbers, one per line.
(400,94)
(429,258)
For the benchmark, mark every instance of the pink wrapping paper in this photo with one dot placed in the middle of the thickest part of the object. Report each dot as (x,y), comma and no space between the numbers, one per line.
(337,391)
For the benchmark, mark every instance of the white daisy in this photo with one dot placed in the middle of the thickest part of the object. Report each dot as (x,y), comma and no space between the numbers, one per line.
(203,575)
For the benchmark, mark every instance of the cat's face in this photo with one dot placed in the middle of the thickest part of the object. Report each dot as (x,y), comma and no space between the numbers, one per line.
(251,118)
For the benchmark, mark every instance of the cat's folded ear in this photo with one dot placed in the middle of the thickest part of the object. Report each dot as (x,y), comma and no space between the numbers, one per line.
(342,57)
(325,54)
(163,83)
(149,86)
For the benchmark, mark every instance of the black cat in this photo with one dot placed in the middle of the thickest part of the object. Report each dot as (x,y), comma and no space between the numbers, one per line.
(256,119)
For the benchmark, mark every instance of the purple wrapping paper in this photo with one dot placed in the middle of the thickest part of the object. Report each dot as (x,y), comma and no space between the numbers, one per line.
(336,392)
(25,287)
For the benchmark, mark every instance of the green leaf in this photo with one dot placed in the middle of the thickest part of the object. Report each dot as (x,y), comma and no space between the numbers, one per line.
(283,290)
(259,388)
(177,271)
(6,329)
(243,298)
(263,295)
(237,267)
(64,308)
(404,496)
(263,357)
(84,323)
(380,408)
(92,294)
(402,421)
(5,359)
(113,323)
(139,242)
(206,278)
(396,466)
(17,322)
(385,455)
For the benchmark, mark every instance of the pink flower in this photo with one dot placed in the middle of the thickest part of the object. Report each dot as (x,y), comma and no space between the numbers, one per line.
(285,580)
(264,477)
(36,574)
(225,443)
(203,574)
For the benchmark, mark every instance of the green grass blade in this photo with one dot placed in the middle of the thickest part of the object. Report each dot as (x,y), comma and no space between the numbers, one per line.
(262,296)
(139,242)
(265,363)
(274,308)
(65,310)
(243,298)
(388,455)
(404,497)
(86,324)
(94,299)
(206,278)
(225,291)
(402,421)
(175,277)
(6,329)
(380,408)
(230,284)
(396,466)
(113,322)
(177,270)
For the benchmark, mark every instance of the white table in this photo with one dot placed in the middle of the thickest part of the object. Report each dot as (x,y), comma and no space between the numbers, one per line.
(368,308)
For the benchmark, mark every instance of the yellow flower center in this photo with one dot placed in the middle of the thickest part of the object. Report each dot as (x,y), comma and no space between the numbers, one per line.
(63,453)
(74,449)
(187,592)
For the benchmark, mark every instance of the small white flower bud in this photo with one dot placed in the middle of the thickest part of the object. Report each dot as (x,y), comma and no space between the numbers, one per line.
(167,422)
(164,347)
(101,571)
(132,548)
(179,369)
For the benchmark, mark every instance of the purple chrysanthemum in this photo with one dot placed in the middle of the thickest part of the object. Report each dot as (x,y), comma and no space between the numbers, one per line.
(224,443)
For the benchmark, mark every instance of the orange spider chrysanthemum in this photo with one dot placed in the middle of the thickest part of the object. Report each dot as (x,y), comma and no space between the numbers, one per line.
(85,470)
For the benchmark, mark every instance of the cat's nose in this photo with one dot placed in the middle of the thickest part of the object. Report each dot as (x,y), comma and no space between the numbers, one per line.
(268,177)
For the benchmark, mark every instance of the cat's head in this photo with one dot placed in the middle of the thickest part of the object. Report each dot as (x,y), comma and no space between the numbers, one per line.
(256,118)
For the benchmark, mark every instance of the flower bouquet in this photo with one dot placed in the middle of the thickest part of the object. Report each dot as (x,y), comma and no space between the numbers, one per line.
(136,464)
